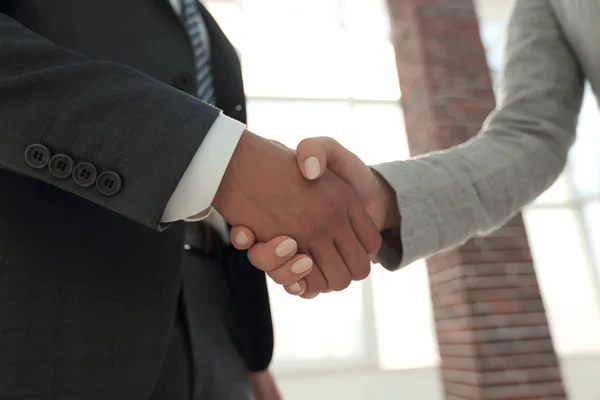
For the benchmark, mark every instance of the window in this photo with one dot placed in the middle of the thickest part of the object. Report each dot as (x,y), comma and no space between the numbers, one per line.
(568,285)
(591,217)
(327,67)
(563,226)
(564,223)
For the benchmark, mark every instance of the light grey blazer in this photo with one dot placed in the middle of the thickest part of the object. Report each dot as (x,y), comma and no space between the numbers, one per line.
(447,197)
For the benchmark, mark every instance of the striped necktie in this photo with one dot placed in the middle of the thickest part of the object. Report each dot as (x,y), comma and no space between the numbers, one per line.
(194,25)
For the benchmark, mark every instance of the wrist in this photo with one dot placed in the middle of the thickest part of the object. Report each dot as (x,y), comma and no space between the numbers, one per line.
(238,159)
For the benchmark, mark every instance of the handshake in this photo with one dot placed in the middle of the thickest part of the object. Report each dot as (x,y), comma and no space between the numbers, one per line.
(312,218)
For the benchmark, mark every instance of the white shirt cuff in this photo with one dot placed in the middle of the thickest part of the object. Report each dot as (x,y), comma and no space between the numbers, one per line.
(198,186)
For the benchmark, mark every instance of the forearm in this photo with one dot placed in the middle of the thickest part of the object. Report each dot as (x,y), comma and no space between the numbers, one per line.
(102,113)
(448,197)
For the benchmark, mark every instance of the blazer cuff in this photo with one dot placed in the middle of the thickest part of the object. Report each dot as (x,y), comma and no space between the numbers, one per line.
(419,231)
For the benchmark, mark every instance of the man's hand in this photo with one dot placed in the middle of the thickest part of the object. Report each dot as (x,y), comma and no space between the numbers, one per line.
(313,157)
(264,386)
(263,190)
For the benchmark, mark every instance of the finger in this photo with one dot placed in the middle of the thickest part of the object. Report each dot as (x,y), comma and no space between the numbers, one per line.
(297,288)
(315,280)
(337,158)
(311,157)
(272,254)
(364,228)
(310,295)
(333,267)
(293,270)
(241,237)
(330,154)
(353,254)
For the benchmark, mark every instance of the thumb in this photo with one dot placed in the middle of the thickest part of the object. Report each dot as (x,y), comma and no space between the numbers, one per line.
(314,155)
(311,156)
(242,238)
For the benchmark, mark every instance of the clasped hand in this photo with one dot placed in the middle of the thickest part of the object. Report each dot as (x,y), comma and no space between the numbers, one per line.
(315,215)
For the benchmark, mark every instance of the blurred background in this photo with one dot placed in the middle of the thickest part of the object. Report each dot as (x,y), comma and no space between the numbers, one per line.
(327,67)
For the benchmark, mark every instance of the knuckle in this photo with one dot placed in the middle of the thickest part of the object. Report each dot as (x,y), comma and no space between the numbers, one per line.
(362,272)
(252,257)
(360,267)
(328,217)
(316,232)
(319,287)
(311,226)
(278,278)
(315,284)
(305,142)
(340,284)
(329,140)
(377,242)
(333,218)
(255,255)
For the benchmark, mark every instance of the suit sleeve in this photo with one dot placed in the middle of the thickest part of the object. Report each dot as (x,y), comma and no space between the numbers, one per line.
(60,111)
(448,197)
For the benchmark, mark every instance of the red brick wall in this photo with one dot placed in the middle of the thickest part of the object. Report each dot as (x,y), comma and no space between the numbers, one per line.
(491,325)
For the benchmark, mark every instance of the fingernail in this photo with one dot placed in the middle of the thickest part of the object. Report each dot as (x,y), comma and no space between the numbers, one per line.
(286,247)
(295,287)
(312,167)
(302,265)
(241,238)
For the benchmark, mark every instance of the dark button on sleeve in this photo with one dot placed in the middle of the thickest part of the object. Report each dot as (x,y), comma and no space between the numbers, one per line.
(60,166)
(109,183)
(185,81)
(37,156)
(85,174)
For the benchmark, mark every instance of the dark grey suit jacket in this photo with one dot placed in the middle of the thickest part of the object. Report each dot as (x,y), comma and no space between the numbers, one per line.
(89,280)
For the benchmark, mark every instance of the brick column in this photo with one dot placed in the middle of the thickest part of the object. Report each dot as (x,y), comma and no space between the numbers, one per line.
(491,325)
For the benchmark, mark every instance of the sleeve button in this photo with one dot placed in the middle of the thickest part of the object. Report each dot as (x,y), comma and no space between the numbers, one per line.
(85,174)
(37,156)
(60,166)
(109,183)
(185,81)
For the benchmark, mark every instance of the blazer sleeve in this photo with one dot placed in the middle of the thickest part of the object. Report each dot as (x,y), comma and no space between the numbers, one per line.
(447,197)
(59,109)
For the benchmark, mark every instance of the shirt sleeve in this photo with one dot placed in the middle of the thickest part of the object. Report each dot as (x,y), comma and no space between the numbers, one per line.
(192,199)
